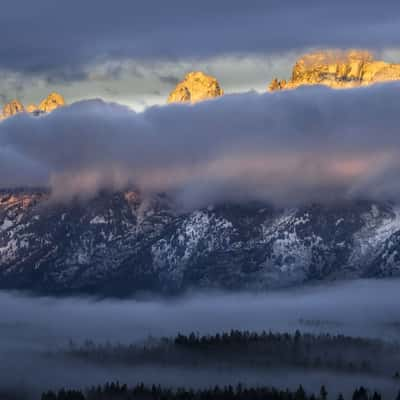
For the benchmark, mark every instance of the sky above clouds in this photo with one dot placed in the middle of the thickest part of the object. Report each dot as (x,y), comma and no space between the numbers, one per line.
(135,51)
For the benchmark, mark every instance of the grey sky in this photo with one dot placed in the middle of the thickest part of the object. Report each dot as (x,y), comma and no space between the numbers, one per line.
(143,83)
(49,45)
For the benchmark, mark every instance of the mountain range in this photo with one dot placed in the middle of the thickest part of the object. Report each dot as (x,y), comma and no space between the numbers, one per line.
(50,103)
(119,243)
(338,69)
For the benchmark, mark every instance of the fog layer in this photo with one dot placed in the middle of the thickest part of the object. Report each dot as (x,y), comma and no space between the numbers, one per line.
(31,326)
(365,307)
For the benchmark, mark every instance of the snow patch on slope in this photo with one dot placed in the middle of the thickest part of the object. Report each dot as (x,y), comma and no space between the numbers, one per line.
(6,225)
(98,220)
(377,229)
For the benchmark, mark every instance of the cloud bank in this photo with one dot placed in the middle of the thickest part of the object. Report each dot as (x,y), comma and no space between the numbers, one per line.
(70,35)
(312,144)
(52,322)
(133,52)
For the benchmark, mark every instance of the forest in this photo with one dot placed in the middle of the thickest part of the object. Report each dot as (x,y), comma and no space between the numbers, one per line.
(251,349)
(115,391)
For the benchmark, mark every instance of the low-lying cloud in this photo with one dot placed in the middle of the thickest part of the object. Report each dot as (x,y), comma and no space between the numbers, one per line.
(31,326)
(367,308)
(312,144)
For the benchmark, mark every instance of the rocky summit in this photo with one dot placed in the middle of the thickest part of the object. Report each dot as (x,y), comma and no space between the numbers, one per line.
(339,70)
(120,243)
(12,108)
(32,108)
(195,87)
(50,103)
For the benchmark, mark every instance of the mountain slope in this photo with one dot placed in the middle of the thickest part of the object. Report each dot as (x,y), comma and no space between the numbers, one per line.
(119,243)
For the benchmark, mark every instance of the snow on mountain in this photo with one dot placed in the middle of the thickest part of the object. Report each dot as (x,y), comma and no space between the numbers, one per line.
(120,243)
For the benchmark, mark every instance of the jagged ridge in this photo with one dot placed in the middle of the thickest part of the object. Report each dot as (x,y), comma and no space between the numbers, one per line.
(338,69)
(50,103)
(121,243)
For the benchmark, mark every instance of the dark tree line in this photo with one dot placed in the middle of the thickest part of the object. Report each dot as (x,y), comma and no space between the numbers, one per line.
(115,391)
(262,350)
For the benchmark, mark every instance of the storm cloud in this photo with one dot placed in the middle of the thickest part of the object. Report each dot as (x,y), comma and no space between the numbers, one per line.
(134,52)
(68,35)
(312,144)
